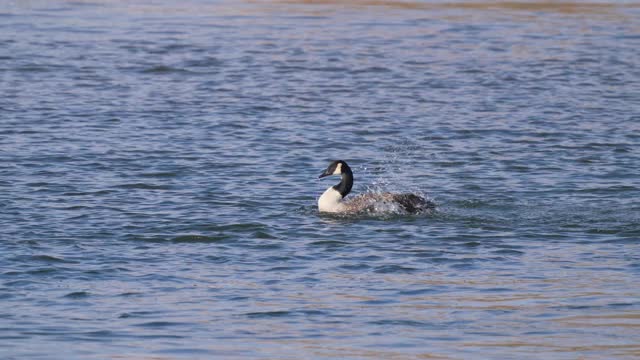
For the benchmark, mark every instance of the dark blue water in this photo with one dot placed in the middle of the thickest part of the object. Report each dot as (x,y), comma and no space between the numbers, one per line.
(159,163)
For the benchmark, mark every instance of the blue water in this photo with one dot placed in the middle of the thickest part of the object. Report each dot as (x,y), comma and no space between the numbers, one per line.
(159,164)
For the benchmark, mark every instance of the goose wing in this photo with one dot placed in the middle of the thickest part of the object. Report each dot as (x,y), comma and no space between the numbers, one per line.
(413,203)
(410,203)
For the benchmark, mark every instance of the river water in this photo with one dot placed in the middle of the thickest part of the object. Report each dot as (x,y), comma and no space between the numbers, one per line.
(159,164)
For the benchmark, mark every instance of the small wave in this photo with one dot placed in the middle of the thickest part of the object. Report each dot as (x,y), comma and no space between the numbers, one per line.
(288,269)
(210,62)
(414,292)
(48,259)
(46,271)
(137,314)
(329,243)
(163,69)
(20,283)
(100,334)
(85,193)
(263,235)
(77,295)
(199,238)
(267,314)
(34,68)
(285,313)
(390,269)
(160,324)
(372,69)
(143,186)
(238,227)
(609,189)
(167,174)
(508,252)
(400,322)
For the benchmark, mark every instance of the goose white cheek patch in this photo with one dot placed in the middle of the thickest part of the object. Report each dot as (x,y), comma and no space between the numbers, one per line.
(338,169)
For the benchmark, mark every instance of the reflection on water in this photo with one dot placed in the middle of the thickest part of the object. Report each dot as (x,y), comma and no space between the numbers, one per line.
(566,7)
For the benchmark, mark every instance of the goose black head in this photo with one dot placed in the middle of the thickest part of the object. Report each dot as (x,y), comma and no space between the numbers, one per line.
(337,167)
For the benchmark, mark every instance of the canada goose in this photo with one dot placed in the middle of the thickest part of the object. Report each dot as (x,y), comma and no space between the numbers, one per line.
(332,199)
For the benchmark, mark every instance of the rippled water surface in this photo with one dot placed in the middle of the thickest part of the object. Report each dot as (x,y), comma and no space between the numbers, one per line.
(159,163)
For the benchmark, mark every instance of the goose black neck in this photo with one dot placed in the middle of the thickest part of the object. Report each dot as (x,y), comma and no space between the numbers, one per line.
(344,187)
